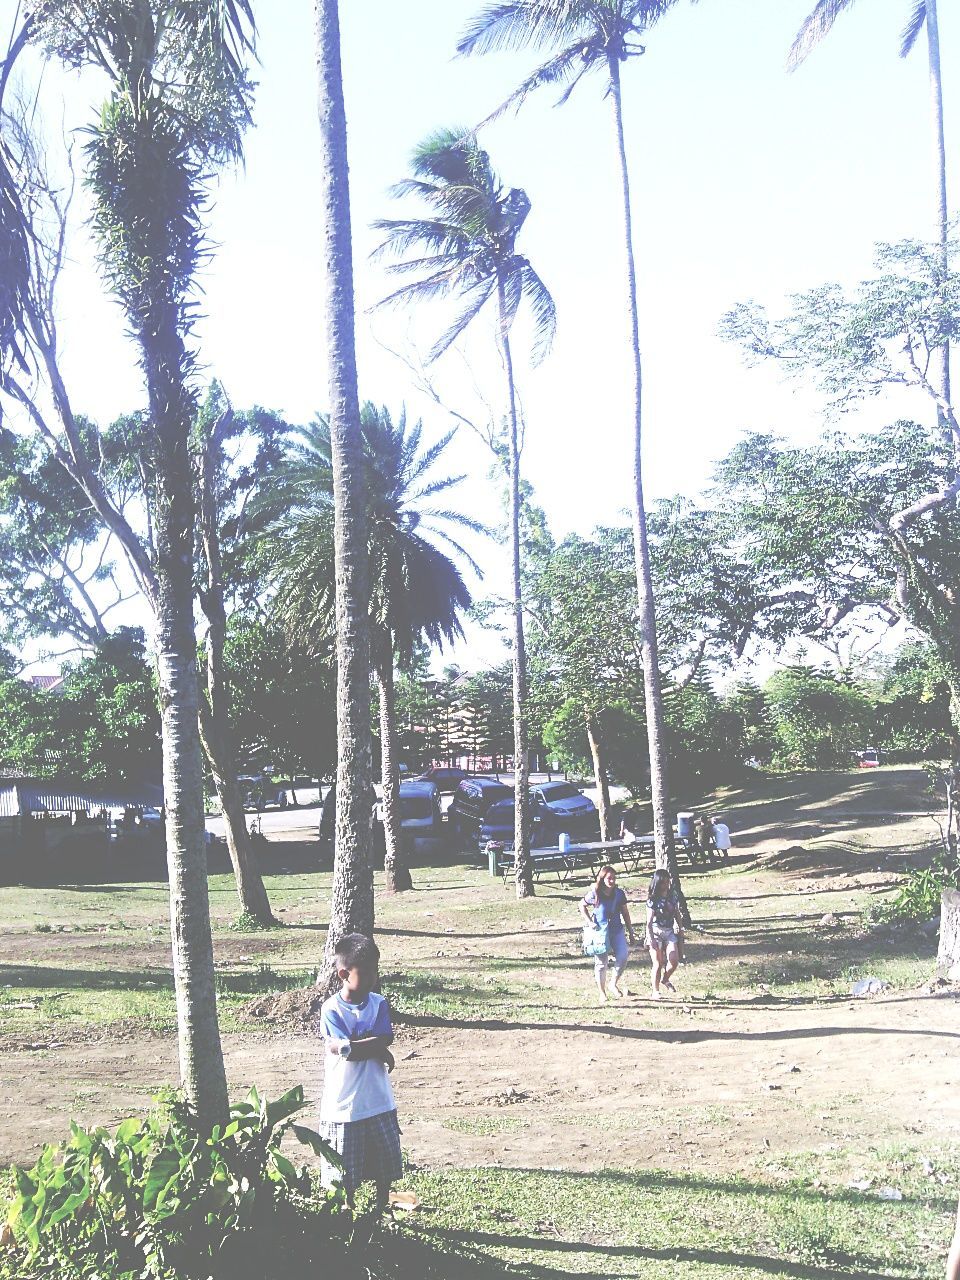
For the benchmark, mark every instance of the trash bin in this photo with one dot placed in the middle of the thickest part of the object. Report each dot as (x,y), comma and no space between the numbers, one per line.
(685,826)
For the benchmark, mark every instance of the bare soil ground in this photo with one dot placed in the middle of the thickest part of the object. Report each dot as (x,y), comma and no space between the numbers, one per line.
(503,1056)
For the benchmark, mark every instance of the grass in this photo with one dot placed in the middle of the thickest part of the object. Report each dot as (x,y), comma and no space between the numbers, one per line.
(463,951)
(660,1226)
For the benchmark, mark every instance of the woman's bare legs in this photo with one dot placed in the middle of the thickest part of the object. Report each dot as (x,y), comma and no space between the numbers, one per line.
(673,959)
(656,965)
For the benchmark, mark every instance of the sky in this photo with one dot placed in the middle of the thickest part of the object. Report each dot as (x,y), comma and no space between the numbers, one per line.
(748,182)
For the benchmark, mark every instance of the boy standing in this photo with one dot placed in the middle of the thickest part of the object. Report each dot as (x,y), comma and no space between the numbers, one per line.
(358,1114)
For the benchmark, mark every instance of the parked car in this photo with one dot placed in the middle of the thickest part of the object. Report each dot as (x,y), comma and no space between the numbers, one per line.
(471,807)
(558,806)
(447,779)
(869,758)
(420,813)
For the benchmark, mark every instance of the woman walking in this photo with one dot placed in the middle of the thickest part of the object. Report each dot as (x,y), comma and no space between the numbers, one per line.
(664,931)
(604,907)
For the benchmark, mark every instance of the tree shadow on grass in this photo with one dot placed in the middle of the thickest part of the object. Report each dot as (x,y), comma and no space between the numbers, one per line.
(851,1264)
(832,1255)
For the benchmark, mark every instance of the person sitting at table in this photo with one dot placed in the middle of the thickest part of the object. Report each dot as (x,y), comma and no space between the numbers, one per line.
(721,838)
(605,904)
(631,824)
(704,830)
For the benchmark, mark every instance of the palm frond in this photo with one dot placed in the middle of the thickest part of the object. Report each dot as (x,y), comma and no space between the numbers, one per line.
(915,24)
(404,234)
(477,297)
(523,24)
(441,285)
(543,310)
(566,67)
(815,26)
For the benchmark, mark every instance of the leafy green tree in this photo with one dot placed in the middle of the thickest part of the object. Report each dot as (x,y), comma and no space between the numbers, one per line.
(287,711)
(586,36)
(29,742)
(912,704)
(922,16)
(818,720)
(57,571)
(107,715)
(483,716)
(755,730)
(880,506)
(466,248)
(416,590)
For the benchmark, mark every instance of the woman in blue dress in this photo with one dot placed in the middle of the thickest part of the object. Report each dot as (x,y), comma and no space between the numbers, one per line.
(605,904)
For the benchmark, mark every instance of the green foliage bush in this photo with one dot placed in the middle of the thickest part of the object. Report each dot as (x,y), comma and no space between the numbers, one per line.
(918,897)
(161,1200)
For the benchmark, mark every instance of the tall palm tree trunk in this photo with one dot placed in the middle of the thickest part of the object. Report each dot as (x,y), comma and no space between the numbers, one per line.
(394,863)
(598,755)
(201,1056)
(351,908)
(665,852)
(521,769)
(942,366)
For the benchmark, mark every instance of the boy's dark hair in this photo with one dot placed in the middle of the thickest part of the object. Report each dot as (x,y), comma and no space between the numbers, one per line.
(353,949)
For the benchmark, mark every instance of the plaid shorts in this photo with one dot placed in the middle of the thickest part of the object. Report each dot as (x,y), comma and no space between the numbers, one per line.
(369,1149)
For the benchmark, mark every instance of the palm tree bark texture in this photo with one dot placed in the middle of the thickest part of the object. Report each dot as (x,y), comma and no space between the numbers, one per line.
(351,908)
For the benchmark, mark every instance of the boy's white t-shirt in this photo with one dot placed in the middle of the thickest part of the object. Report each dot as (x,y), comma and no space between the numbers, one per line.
(354,1090)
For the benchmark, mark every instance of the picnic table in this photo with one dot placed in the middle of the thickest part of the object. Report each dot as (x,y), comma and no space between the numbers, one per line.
(561,862)
(591,854)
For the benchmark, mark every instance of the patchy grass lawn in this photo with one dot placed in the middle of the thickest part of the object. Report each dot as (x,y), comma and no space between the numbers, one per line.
(714,1135)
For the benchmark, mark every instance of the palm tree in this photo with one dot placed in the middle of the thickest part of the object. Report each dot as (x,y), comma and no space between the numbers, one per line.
(466,249)
(416,589)
(351,908)
(585,36)
(177,102)
(923,14)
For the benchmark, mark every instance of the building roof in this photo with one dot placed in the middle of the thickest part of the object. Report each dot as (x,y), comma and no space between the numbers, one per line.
(21,796)
(47,682)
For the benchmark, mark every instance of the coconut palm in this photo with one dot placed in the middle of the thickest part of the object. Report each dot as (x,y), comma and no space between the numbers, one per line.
(351,907)
(922,16)
(417,591)
(583,36)
(466,249)
(178,99)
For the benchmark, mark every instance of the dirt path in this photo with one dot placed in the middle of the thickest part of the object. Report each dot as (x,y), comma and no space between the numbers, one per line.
(731,1084)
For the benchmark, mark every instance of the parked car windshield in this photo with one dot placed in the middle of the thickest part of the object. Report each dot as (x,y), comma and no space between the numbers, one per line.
(416,807)
(558,791)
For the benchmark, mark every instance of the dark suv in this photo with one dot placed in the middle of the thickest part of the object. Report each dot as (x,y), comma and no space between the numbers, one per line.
(446,779)
(471,821)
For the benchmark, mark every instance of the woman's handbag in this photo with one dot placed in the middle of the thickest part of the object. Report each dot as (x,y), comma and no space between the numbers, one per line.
(596,940)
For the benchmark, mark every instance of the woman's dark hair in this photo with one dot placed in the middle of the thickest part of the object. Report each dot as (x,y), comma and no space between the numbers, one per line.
(599,887)
(658,884)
